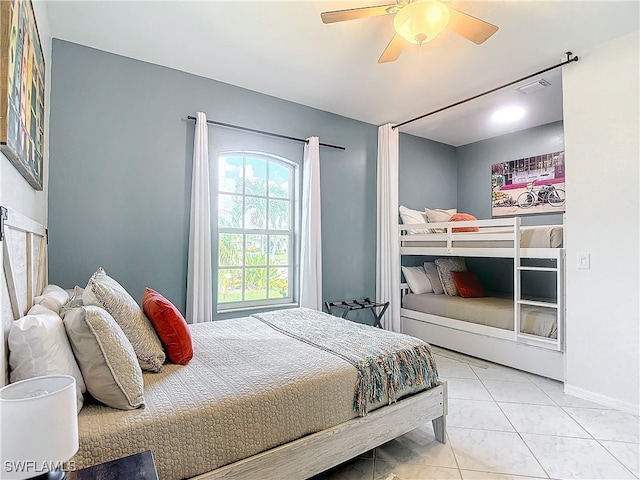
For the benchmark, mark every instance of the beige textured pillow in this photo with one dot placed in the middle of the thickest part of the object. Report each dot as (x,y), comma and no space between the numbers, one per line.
(106,358)
(438,216)
(103,291)
(434,278)
(445,267)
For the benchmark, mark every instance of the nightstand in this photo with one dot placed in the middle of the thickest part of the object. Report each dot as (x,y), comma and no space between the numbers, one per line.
(139,466)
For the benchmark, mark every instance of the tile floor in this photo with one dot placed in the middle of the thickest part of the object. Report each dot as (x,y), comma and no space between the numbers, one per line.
(506,424)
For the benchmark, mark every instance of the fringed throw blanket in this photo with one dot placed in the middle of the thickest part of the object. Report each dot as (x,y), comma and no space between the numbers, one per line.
(386,361)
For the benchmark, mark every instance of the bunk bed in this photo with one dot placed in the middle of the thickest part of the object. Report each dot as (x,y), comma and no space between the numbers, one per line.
(519,331)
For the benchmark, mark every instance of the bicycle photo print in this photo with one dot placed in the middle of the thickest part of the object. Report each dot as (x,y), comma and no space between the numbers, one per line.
(528,186)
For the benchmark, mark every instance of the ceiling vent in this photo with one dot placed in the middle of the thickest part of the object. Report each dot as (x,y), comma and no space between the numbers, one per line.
(532,87)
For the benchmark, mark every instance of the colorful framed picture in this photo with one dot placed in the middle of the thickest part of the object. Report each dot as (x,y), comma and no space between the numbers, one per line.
(528,186)
(22,77)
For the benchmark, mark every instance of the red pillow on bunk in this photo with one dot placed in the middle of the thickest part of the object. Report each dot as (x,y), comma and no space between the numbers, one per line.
(461,217)
(468,285)
(170,326)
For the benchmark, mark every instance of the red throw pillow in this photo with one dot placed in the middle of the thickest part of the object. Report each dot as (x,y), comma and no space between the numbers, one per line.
(170,326)
(468,285)
(461,217)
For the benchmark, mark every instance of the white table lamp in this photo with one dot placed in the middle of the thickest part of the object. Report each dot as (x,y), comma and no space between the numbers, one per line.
(39,424)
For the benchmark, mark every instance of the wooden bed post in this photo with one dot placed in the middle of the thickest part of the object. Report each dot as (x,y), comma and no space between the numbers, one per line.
(440,423)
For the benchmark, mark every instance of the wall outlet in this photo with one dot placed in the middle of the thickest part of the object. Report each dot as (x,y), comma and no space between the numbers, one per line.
(584,261)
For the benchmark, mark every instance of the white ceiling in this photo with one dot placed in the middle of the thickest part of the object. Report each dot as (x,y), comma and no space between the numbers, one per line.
(283,49)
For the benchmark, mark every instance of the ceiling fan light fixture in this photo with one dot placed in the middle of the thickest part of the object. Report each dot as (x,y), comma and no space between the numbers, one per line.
(421,21)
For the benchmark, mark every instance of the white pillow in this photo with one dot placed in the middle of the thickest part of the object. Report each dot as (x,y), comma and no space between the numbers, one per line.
(439,215)
(38,345)
(53,297)
(417,279)
(410,216)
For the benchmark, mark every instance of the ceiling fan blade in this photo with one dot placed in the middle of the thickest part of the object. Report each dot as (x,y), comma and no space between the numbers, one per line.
(393,50)
(354,13)
(471,28)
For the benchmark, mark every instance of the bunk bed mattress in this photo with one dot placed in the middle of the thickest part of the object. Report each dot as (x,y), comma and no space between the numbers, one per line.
(538,236)
(490,311)
(247,389)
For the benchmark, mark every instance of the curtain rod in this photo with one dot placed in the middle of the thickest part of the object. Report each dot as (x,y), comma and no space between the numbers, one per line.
(262,132)
(568,60)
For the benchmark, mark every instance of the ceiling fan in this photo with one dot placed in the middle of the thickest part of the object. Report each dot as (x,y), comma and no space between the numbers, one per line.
(417,22)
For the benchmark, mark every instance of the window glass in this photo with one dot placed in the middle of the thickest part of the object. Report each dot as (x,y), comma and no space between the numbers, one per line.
(255,230)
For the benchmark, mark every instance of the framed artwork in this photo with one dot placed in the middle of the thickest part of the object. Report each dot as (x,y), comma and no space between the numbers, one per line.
(528,186)
(22,78)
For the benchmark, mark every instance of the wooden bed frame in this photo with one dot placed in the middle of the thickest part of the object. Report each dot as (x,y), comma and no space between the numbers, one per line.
(538,355)
(25,272)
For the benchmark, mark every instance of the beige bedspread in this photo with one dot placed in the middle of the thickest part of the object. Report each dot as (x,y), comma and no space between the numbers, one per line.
(248,388)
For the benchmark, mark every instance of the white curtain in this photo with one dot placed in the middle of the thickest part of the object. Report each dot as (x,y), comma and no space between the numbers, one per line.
(387,249)
(199,282)
(311,236)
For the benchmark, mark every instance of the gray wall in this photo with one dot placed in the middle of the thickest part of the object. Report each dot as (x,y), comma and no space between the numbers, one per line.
(121,153)
(475,160)
(427,177)
(427,173)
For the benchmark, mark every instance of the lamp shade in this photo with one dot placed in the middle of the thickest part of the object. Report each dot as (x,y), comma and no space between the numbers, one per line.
(421,21)
(39,429)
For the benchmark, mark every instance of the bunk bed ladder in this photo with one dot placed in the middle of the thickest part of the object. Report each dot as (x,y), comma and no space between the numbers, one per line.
(517,291)
(558,258)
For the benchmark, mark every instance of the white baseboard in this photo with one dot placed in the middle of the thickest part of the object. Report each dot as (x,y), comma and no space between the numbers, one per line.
(601,399)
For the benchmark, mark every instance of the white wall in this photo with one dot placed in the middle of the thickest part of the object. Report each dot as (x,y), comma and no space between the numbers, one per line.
(602,151)
(15,192)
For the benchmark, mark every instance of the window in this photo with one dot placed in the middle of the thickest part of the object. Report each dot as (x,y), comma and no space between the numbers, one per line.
(255,230)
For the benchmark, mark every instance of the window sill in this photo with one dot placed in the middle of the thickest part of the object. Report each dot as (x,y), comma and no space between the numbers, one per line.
(262,308)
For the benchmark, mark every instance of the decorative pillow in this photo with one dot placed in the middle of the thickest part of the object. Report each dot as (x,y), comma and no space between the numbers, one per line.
(468,285)
(170,326)
(432,274)
(107,359)
(463,217)
(38,345)
(445,267)
(103,291)
(417,279)
(409,217)
(438,216)
(53,297)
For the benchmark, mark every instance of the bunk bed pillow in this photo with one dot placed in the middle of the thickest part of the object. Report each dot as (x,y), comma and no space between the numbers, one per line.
(468,285)
(432,274)
(410,216)
(445,267)
(463,217)
(417,279)
(439,215)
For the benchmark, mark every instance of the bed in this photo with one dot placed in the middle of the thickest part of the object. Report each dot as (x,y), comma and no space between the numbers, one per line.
(494,310)
(517,331)
(295,397)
